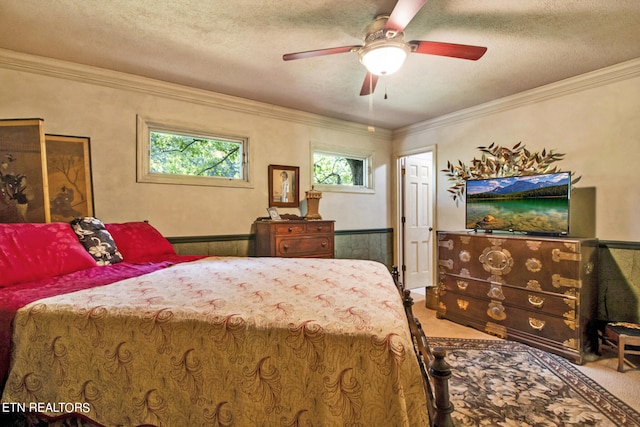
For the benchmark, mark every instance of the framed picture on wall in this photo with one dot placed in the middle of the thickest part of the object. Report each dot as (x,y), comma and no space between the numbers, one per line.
(23,177)
(284,186)
(69,176)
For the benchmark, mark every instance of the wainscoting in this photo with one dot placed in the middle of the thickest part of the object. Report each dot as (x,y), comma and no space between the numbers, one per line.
(619,272)
(229,245)
(619,285)
(373,244)
(376,245)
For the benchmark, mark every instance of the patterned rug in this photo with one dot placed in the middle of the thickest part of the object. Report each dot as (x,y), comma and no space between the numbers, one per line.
(504,383)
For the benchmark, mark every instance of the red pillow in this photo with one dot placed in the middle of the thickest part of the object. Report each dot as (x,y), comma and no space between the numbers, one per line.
(139,241)
(31,252)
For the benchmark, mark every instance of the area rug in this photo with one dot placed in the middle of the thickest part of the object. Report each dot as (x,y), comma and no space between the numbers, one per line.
(504,383)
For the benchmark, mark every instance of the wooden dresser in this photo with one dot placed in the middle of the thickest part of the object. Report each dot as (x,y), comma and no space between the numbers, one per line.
(538,290)
(294,238)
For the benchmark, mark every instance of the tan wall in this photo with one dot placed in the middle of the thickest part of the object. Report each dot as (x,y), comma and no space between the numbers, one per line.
(82,101)
(594,119)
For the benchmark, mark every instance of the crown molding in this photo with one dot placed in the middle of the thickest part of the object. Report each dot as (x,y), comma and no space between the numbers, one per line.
(604,76)
(20,61)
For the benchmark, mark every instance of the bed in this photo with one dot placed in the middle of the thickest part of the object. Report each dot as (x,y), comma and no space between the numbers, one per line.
(219,341)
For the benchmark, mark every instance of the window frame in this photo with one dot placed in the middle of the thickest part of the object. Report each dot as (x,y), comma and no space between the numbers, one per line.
(144,128)
(366,155)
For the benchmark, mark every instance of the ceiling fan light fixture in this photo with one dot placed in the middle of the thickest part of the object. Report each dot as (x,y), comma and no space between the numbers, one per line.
(384,57)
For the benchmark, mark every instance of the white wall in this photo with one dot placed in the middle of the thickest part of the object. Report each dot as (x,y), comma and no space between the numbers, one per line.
(83,101)
(594,119)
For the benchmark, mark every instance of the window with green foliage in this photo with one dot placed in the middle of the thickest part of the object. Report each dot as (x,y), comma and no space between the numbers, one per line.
(336,171)
(177,154)
(169,154)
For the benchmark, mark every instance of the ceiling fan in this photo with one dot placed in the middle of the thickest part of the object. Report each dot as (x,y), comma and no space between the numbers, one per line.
(384,49)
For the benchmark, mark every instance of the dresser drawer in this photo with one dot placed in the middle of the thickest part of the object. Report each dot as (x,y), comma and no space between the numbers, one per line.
(279,229)
(560,305)
(553,265)
(497,317)
(319,227)
(321,246)
(312,228)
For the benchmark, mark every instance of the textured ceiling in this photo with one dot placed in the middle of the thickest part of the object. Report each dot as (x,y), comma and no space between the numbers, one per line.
(236,48)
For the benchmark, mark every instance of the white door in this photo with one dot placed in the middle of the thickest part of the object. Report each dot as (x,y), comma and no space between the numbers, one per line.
(417,221)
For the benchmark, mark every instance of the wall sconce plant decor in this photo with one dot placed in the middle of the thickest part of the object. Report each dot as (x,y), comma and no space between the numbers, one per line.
(498,161)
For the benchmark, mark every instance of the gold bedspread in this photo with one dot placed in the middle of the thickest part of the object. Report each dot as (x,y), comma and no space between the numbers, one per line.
(225,342)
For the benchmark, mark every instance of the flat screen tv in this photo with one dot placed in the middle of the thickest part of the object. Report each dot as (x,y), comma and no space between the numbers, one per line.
(535,204)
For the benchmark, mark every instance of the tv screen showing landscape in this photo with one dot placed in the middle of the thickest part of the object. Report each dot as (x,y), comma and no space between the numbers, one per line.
(535,203)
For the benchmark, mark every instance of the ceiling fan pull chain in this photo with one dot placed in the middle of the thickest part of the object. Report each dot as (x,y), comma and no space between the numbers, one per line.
(371,127)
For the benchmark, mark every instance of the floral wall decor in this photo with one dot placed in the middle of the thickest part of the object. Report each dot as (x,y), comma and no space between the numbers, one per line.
(498,161)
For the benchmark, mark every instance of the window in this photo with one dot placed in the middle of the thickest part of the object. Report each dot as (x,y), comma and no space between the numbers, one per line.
(335,170)
(176,155)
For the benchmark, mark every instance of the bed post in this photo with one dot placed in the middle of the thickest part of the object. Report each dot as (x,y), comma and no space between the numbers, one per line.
(441,372)
(435,369)
(396,279)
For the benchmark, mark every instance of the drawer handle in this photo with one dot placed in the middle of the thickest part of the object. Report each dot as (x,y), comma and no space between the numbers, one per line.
(448,263)
(496,292)
(462,285)
(446,244)
(319,228)
(462,304)
(535,301)
(496,311)
(290,229)
(536,324)
(323,244)
(285,247)
(557,255)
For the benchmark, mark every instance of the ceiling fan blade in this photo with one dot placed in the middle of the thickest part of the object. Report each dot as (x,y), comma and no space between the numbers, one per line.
(453,50)
(319,52)
(369,84)
(403,13)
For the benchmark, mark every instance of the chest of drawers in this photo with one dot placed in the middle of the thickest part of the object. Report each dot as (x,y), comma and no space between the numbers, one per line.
(537,290)
(295,238)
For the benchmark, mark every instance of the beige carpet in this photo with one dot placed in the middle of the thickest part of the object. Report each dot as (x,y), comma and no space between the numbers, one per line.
(625,386)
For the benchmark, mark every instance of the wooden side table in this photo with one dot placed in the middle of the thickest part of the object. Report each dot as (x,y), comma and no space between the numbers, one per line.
(625,337)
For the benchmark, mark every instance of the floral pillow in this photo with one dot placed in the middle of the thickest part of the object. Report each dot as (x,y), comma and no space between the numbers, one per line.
(96,240)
